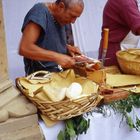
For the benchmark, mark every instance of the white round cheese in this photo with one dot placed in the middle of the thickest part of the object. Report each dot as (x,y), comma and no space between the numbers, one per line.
(74,90)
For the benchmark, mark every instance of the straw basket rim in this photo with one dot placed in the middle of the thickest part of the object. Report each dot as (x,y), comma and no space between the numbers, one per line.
(119,56)
(128,66)
(64,109)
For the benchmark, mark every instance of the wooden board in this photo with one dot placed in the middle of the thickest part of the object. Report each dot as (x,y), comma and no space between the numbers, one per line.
(3,52)
(117,94)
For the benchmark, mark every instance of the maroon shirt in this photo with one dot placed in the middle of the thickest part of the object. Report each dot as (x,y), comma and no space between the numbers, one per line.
(120,16)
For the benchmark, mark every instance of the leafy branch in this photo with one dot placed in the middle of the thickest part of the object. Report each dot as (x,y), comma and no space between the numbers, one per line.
(73,128)
(79,125)
(125,107)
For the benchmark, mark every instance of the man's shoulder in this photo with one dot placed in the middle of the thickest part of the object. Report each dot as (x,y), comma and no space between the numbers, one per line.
(38,11)
(37,14)
(40,7)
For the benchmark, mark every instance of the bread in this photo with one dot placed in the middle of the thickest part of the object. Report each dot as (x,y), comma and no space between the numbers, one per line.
(54,94)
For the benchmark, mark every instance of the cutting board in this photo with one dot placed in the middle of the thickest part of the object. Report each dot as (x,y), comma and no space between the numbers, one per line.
(117,94)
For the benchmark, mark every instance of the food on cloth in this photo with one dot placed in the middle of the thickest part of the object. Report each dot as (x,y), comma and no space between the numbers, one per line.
(62,85)
(31,88)
(134,89)
(89,63)
(74,91)
(48,122)
(112,69)
(120,80)
(90,87)
(55,94)
(99,76)
(40,95)
(63,79)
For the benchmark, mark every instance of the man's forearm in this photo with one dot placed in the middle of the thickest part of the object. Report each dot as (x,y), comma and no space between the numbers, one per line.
(36,53)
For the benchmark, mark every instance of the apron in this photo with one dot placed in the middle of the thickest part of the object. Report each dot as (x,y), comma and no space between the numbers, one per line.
(131,40)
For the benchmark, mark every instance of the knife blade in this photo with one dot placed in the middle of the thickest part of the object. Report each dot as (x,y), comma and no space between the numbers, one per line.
(79,62)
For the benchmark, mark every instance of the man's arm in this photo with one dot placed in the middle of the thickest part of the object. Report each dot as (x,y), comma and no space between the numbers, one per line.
(30,50)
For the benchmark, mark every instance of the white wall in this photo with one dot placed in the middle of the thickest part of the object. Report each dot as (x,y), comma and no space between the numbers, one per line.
(14,13)
(86,30)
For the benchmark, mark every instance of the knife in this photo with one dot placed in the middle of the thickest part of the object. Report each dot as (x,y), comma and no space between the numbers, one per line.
(105,44)
(80,62)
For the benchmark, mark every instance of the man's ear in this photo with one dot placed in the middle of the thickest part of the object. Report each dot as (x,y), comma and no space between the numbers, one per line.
(61,6)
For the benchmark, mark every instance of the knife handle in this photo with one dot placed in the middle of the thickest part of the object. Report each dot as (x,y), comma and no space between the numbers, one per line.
(105,38)
(105,44)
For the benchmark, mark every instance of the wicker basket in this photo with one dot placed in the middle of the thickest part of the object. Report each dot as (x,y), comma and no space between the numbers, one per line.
(64,109)
(129,61)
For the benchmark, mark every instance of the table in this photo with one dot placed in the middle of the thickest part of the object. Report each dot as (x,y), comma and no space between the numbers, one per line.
(101,128)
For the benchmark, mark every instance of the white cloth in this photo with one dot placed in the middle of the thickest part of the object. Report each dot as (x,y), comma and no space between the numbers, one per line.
(131,40)
(101,128)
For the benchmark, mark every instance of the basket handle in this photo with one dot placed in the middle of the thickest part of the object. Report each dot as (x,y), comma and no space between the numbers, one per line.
(39,75)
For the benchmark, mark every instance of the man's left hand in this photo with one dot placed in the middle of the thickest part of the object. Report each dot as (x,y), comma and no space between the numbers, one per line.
(72,50)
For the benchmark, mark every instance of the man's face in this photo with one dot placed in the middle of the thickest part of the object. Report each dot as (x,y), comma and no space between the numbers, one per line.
(70,14)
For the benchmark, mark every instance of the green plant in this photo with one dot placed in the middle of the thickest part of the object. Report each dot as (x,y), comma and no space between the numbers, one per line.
(74,127)
(125,107)
(79,125)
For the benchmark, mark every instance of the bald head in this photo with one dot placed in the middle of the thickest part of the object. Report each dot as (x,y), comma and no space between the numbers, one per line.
(66,11)
(70,3)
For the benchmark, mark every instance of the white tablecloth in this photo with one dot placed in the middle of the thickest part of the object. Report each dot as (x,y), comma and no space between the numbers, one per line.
(101,128)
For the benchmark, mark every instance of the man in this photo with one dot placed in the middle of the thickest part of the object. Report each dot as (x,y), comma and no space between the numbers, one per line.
(121,17)
(43,43)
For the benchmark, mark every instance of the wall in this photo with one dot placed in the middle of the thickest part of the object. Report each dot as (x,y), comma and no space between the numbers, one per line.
(3,56)
(88,25)
(14,13)
(87,29)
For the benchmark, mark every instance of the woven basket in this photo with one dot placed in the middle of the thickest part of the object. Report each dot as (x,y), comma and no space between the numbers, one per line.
(129,61)
(64,109)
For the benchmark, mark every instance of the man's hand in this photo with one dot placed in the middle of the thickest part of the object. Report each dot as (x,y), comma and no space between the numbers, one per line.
(72,50)
(65,61)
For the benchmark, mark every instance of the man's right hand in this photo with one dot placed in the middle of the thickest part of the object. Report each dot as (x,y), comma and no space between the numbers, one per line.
(65,61)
